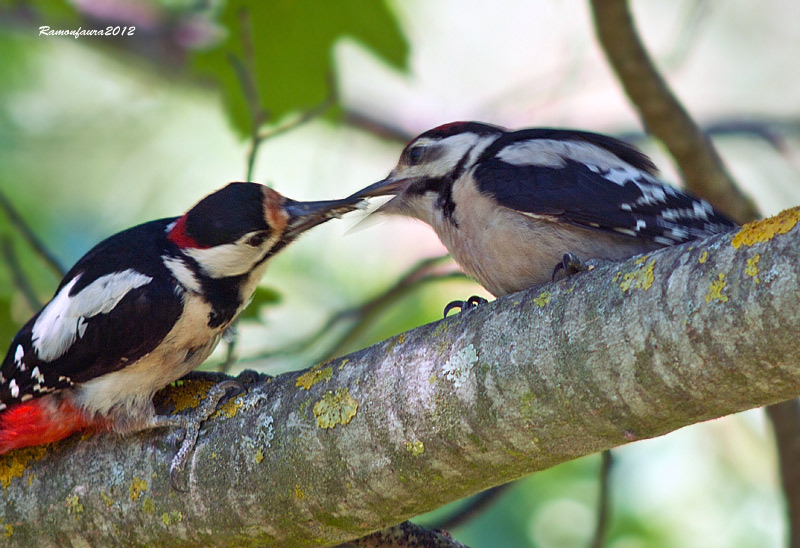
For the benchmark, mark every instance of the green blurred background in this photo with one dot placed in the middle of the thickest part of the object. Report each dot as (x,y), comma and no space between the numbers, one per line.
(101,133)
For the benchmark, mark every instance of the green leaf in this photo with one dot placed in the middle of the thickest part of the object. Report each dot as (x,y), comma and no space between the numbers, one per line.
(262,297)
(292,44)
(8,328)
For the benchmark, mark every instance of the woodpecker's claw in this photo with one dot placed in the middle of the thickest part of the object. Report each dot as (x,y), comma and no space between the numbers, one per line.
(571,264)
(469,304)
(191,427)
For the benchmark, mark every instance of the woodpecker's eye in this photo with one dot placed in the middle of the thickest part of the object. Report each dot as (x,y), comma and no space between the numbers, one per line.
(415,155)
(256,239)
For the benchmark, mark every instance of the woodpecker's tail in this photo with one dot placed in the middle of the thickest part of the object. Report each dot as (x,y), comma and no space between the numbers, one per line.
(40,421)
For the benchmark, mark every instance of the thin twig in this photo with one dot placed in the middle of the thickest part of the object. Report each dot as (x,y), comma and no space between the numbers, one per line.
(474,506)
(604,501)
(246,73)
(302,118)
(379,128)
(363,314)
(785,418)
(18,276)
(30,237)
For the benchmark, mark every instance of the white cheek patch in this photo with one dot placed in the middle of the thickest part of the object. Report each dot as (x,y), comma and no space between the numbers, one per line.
(228,260)
(63,320)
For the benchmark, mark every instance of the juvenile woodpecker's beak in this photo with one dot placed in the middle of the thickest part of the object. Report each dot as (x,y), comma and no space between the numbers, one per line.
(306,215)
(387,187)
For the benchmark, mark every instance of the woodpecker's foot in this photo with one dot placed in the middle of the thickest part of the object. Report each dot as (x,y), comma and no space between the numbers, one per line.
(571,264)
(469,304)
(191,426)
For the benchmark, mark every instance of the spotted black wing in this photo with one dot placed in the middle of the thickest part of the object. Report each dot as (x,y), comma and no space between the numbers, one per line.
(98,321)
(612,196)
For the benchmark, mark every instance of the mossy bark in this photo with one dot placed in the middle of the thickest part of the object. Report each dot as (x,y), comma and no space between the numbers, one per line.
(442,411)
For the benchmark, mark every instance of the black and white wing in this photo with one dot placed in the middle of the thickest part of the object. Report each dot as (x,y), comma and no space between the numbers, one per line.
(102,318)
(593,181)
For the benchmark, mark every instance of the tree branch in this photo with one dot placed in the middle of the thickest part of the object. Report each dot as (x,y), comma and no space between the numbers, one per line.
(663,115)
(628,351)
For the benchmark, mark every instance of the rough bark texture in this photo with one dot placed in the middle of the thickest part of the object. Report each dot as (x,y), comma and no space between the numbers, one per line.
(316,458)
(663,115)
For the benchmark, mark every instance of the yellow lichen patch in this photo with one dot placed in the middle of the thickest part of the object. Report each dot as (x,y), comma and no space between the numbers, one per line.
(752,267)
(542,300)
(136,487)
(765,229)
(616,277)
(416,448)
(715,290)
(298,492)
(641,278)
(171,517)
(313,376)
(642,259)
(229,409)
(108,500)
(703,257)
(187,394)
(13,465)
(8,530)
(74,505)
(259,456)
(148,506)
(394,341)
(335,408)
(344,362)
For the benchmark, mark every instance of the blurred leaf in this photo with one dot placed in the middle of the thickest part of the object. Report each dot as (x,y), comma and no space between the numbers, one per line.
(53,13)
(292,45)
(8,328)
(262,297)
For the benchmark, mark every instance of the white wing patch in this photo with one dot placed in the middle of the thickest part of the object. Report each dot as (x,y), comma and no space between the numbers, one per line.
(63,320)
(228,260)
(18,355)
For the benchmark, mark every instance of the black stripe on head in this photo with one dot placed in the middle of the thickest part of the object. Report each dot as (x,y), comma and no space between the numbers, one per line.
(226,215)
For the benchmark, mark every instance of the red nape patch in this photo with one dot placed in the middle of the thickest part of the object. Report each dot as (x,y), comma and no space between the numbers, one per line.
(179,237)
(40,421)
(454,128)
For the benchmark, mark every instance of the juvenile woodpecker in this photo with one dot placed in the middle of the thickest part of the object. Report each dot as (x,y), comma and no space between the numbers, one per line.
(511,206)
(140,310)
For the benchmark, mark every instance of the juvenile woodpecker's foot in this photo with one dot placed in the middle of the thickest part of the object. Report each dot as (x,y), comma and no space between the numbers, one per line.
(469,304)
(571,264)
(191,427)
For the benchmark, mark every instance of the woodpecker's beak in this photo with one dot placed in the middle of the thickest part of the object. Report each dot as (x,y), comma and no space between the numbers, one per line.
(306,215)
(387,187)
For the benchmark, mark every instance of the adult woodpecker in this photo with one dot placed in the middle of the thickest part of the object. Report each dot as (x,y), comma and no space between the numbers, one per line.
(511,206)
(140,310)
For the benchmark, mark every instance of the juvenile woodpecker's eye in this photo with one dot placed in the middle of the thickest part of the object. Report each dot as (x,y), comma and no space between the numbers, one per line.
(415,155)
(256,239)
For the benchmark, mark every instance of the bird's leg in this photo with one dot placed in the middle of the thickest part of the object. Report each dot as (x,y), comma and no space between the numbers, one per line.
(469,304)
(190,423)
